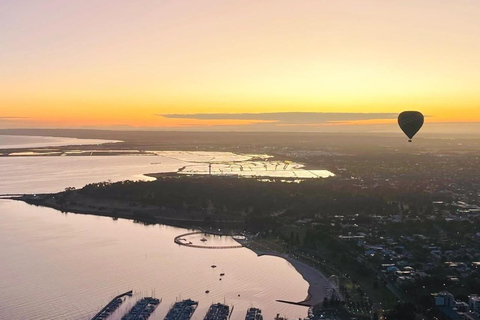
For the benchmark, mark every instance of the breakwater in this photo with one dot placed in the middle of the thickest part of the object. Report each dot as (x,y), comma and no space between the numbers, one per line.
(180,239)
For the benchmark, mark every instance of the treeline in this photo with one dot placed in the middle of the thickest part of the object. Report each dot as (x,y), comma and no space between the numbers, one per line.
(254,199)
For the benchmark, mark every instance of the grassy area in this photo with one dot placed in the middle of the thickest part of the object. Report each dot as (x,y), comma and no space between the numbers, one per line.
(352,279)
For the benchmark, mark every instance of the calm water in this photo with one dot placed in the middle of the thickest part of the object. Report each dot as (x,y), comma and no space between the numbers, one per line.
(66,266)
(50,174)
(11,142)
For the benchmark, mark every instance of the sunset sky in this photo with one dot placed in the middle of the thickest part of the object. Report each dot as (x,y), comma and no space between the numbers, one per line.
(186,64)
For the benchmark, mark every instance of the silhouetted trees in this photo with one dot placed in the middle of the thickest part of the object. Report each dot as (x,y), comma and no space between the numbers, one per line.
(237,197)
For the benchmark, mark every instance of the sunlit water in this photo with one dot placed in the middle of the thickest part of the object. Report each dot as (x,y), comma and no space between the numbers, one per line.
(52,174)
(13,142)
(67,266)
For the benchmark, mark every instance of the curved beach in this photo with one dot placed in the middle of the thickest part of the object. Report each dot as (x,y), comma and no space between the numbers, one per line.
(317,281)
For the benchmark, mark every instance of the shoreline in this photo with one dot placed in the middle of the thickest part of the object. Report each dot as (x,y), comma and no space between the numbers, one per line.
(316,280)
(117,210)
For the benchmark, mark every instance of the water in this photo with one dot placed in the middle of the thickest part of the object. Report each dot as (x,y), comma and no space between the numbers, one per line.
(51,174)
(67,266)
(13,142)
(246,165)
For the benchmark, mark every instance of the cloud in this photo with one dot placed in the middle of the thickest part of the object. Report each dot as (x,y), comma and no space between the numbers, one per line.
(288,118)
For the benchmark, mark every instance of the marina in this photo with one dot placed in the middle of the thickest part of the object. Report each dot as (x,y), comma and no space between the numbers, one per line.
(111,306)
(182,310)
(218,311)
(142,309)
(254,314)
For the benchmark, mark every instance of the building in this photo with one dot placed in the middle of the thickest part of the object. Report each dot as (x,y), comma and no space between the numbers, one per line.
(470,316)
(445,306)
(474,303)
(461,306)
(444,299)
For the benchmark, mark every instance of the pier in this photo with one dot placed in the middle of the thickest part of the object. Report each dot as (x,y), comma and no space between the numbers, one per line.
(218,312)
(111,306)
(142,309)
(254,314)
(182,310)
(11,195)
(303,304)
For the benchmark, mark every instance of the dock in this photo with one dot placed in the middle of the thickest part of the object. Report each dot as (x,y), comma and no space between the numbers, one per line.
(254,314)
(182,310)
(142,309)
(111,306)
(218,311)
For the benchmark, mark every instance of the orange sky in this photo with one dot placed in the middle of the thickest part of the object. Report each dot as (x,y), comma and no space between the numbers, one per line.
(98,63)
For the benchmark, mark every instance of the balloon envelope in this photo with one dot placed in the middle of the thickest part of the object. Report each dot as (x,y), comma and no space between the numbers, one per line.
(410,122)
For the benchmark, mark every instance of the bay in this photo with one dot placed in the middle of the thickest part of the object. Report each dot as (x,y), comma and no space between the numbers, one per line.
(67,266)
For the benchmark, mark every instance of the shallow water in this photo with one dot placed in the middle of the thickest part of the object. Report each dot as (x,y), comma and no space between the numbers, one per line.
(246,165)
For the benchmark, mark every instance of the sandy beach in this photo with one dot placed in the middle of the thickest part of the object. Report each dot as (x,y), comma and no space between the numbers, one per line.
(317,281)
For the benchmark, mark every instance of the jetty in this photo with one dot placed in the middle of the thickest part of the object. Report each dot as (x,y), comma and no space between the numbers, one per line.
(218,311)
(142,309)
(181,240)
(111,306)
(254,314)
(182,310)
(302,304)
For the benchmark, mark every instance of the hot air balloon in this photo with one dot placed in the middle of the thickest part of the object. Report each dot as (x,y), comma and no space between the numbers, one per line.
(410,122)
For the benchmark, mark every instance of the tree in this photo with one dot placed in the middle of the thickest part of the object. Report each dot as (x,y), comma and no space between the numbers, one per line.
(325,302)
(402,311)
